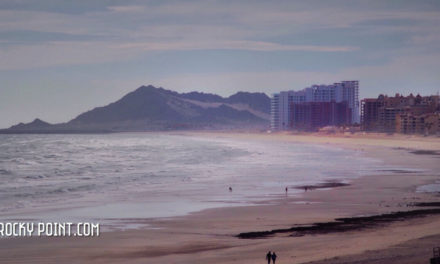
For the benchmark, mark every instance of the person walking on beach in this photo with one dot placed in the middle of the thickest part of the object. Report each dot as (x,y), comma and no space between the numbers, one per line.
(268,257)
(274,257)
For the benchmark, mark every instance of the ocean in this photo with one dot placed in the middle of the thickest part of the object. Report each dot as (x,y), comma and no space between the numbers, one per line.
(112,177)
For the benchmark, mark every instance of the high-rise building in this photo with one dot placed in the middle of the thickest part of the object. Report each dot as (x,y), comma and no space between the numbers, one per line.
(281,104)
(314,115)
(280,108)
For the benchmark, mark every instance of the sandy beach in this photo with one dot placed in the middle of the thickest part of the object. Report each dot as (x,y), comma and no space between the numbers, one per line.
(210,236)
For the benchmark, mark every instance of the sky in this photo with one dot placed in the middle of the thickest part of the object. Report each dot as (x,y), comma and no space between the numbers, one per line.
(59,58)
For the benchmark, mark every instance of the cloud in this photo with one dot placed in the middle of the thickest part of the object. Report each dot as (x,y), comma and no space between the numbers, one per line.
(127,8)
(233,45)
(43,55)
(58,53)
(109,32)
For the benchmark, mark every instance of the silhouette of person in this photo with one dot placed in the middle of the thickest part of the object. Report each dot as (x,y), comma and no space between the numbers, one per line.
(230,189)
(286,190)
(274,257)
(268,257)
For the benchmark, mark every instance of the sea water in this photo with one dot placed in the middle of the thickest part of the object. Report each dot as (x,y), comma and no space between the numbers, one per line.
(146,175)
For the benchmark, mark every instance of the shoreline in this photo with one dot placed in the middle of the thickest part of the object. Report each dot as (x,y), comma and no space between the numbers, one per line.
(243,195)
(209,234)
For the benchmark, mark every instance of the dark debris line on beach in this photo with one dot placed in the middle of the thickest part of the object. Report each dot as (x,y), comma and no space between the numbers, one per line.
(425,152)
(345,224)
(324,185)
(426,204)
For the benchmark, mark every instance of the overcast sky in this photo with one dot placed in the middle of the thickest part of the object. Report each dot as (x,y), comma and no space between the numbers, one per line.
(59,58)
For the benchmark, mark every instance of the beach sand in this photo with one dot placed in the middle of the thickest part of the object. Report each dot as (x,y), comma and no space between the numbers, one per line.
(209,236)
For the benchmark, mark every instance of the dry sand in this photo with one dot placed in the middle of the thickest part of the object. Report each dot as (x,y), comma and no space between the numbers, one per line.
(209,236)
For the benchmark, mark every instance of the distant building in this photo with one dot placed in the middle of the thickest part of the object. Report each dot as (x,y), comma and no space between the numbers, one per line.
(427,124)
(314,115)
(370,114)
(410,114)
(280,112)
(281,103)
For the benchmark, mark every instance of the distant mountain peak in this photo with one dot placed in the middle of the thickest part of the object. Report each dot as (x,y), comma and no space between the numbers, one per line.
(148,87)
(36,124)
(143,89)
(38,121)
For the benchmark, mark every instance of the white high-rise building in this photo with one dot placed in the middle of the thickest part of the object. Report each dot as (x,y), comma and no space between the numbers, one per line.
(279,108)
(347,91)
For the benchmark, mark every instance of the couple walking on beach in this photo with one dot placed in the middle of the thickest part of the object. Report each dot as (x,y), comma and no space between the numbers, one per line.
(271,256)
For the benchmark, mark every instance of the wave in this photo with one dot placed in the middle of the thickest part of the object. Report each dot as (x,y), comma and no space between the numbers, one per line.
(124,167)
(5,172)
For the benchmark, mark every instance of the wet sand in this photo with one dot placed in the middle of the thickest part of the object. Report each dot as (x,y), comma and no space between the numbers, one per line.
(210,236)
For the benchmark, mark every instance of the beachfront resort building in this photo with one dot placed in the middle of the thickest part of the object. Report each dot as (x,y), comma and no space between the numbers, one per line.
(316,106)
(311,116)
(402,114)
(280,108)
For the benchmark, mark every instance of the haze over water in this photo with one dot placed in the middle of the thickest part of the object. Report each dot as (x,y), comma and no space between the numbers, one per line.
(144,175)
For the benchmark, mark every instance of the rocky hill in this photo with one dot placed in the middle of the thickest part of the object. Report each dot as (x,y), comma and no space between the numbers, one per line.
(149,108)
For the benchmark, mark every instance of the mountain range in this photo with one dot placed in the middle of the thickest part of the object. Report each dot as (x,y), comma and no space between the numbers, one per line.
(153,109)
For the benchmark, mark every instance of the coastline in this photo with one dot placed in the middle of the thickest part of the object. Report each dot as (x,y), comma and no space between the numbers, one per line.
(208,236)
